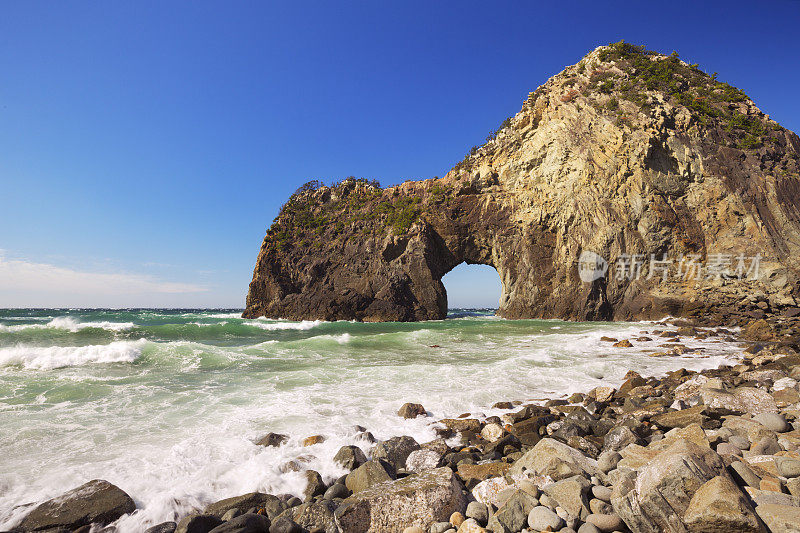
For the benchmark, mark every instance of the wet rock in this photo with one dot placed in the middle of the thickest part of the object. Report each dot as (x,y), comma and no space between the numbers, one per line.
(96,502)
(543,519)
(365,476)
(421,499)
(412,410)
(246,523)
(719,505)
(243,503)
(350,457)
(198,523)
(395,451)
(513,514)
(284,524)
(317,515)
(554,459)
(164,527)
(624,343)
(312,440)
(337,490)
(272,439)
(314,485)
(421,460)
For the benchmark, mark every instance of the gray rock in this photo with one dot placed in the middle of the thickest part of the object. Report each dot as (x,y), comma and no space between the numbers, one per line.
(570,495)
(198,523)
(337,490)
(96,502)
(600,507)
(395,451)
(550,457)
(478,511)
(773,421)
(725,448)
(367,475)
(246,523)
(284,524)
(272,439)
(315,486)
(740,442)
(744,473)
(164,527)
(653,497)
(540,518)
(349,457)
(421,460)
(272,504)
(719,505)
(619,437)
(766,446)
(513,514)
(588,528)
(440,527)
(421,499)
(316,515)
(411,410)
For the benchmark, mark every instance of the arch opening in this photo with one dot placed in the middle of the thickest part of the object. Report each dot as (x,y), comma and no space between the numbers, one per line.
(472,287)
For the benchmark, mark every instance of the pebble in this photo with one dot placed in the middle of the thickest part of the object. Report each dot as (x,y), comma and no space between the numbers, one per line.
(788,467)
(599,506)
(725,448)
(605,522)
(541,518)
(740,442)
(588,528)
(440,527)
(772,421)
(413,529)
(766,446)
(456,519)
(608,461)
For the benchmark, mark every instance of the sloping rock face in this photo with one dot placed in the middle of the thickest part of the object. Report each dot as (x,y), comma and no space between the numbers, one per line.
(629,155)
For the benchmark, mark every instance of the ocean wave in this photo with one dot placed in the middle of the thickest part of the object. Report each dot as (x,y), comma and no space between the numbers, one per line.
(70,324)
(50,357)
(273,326)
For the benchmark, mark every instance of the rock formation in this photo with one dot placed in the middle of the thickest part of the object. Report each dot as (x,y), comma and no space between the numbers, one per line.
(630,155)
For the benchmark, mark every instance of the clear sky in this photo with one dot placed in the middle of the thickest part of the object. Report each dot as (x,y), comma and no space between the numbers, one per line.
(147,146)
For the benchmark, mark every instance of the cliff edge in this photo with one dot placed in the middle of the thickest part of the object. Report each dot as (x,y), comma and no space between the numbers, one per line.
(680,192)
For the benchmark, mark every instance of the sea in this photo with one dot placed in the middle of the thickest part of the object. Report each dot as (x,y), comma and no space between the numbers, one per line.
(167,404)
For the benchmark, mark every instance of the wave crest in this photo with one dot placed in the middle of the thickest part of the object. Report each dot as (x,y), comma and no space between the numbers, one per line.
(50,357)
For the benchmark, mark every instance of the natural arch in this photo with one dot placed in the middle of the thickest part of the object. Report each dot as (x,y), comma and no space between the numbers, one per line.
(472,286)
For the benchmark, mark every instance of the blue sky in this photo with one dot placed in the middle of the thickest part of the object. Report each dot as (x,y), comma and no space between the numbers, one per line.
(148,145)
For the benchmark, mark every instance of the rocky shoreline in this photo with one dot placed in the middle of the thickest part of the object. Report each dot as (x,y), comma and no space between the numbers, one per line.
(716,450)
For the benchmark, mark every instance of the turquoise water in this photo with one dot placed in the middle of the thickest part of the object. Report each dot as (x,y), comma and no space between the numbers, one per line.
(166,404)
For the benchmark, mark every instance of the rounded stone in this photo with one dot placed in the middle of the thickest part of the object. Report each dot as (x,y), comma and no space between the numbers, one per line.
(599,506)
(230,514)
(788,467)
(413,529)
(772,421)
(740,442)
(336,490)
(440,527)
(540,518)
(726,448)
(608,461)
(456,519)
(478,511)
(602,493)
(588,528)
(605,522)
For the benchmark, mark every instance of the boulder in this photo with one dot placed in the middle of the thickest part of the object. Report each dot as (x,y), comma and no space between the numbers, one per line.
(655,497)
(365,476)
(719,506)
(315,486)
(421,460)
(349,457)
(411,410)
(315,516)
(273,505)
(272,439)
(246,523)
(513,514)
(164,527)
(554,459)
(198,523)
(395,451)
(570,494)
(780,518)
(96,502)
(420,499)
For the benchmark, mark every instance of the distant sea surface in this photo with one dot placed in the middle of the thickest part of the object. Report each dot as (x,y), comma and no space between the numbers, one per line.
(167,404)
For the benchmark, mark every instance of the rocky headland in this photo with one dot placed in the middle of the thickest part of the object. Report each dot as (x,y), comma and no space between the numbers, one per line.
(629,154)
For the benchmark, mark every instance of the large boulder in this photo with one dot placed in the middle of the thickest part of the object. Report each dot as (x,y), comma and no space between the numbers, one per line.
(96,502)
(416,500)
(396,450)
(719,506)
(369,474)
(655,497)
(554,459)
(246,523)
(349,457)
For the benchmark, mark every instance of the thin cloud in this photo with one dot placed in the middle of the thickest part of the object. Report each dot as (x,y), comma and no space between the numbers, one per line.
(19,275)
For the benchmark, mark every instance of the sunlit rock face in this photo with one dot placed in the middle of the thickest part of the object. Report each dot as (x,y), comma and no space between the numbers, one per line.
(625,158)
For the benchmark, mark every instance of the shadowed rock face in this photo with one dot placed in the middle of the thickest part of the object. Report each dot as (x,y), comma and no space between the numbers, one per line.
(610,156)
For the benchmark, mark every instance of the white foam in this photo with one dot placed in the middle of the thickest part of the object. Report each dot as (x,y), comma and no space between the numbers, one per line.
(275,326)
(50,357)
(70,324)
